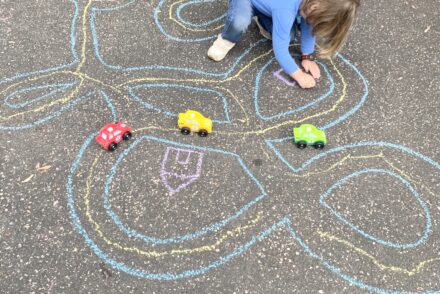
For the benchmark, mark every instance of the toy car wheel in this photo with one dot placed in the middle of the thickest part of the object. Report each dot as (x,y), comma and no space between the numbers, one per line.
(185,131)
(318,145)
(126,136)
(301,144)
(203,133)
(112,147)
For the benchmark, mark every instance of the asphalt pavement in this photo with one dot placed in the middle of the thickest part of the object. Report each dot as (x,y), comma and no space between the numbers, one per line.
(242,210)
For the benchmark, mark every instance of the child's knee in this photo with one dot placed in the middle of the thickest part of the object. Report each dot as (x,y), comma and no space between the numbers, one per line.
(243,15)
(241,23)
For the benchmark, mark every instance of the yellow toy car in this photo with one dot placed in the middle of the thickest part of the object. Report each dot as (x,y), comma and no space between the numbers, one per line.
(193,121)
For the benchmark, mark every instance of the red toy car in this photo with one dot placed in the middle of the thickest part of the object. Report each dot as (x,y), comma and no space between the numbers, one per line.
(111,134)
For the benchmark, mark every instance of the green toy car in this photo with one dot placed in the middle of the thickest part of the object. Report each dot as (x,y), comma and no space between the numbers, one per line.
(308,134)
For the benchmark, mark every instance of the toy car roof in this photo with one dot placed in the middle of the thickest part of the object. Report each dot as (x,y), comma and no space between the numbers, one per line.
(194,114)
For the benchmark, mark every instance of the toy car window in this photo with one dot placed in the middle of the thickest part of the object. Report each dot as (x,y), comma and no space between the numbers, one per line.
(104,136)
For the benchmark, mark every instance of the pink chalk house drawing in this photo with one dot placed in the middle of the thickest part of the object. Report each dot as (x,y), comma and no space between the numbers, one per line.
(180,168)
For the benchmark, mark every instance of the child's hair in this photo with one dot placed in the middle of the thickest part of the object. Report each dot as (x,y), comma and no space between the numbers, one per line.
(330,20)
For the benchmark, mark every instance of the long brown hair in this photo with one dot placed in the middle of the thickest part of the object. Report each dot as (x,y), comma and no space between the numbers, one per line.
(331,21)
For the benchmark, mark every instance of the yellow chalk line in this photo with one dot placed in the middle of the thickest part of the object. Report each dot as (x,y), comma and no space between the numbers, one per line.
(84,31)
(359,250)
(199,80)
(409,178)
(379,155)
(246,120)
(333,108)
(150,127)
(263,131)
(107,85)
(83,59)
(416,270)
(82,76)
(170,13)
(42,107)
(409,272)
(18,83)
(84,46)
(205,248)
(21,82)
(77,73)
(340,162)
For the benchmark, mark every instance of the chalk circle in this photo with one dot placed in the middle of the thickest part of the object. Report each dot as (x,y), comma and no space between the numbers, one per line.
(203,34)
(74,212)
(52,89)
(341,218)
(38,102)
(257,99)
(179,238)
(182,6)
(330,89)
(317,253)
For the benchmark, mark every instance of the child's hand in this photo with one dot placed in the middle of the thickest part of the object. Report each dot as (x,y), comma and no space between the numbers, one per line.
(311,67)
(303,79)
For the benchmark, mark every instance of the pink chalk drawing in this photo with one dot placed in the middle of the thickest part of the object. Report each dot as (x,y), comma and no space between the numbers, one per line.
(287,81)
(180,168)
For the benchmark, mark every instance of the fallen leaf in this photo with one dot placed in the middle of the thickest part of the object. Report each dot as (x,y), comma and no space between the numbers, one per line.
(28,179)
(43,168)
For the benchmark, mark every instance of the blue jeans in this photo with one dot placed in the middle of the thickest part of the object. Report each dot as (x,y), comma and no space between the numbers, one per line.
(239,17)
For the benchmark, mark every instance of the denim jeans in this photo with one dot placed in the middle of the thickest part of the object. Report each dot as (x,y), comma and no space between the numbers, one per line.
(239,17)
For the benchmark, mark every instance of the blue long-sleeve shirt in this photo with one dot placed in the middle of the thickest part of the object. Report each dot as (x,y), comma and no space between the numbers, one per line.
(283,14)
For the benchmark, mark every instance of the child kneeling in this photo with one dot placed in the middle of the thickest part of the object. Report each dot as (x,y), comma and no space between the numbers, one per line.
(329,20)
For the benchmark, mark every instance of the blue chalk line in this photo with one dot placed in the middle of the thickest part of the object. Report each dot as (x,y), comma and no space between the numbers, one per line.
(99,56)
(304,107)
(55,88)
(357,106)
(428,221)
(172,276)
(181,238)
(60,111)
(197,25)
(157,11)
(132,91)
(75,58)
(304,165)
(168,276)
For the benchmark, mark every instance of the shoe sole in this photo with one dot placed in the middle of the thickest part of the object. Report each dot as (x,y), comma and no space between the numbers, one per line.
(263,32)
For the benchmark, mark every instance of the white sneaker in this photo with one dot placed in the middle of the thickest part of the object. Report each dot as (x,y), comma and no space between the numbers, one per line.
(220,48)
(263,32)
